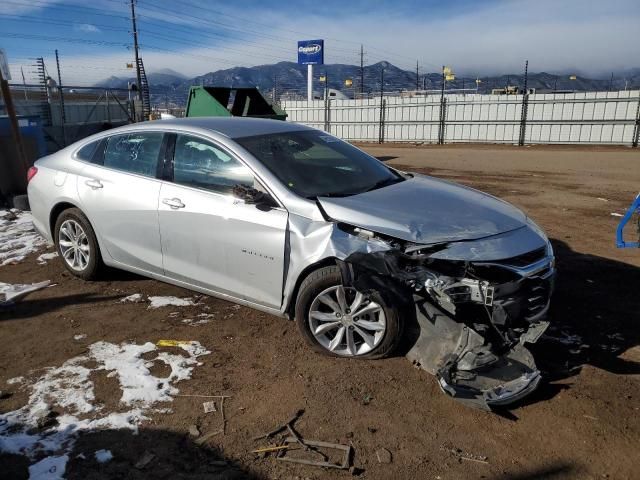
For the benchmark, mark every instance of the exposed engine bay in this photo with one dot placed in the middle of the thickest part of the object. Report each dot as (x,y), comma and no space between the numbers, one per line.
(472,317)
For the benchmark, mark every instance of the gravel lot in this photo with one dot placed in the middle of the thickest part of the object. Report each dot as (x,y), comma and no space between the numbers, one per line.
(583,422)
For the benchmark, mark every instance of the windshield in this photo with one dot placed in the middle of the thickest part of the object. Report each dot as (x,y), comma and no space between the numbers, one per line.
(314,164)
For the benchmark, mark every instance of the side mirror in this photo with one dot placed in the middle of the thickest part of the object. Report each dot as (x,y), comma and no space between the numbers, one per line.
(253,196)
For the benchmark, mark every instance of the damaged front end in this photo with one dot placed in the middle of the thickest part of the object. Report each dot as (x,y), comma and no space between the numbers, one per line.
(473,314)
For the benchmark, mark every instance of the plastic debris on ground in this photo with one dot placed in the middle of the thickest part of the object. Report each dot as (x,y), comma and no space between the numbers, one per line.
(12,293)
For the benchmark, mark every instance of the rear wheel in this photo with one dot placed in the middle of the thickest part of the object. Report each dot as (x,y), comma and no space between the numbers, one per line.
(340,321)
(76,244)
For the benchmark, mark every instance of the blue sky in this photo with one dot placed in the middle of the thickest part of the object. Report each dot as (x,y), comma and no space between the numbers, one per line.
(195,36)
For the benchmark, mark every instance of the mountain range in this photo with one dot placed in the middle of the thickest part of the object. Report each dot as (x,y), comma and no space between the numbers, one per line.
(169,86)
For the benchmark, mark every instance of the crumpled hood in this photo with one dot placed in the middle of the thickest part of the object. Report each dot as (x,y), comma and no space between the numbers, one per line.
(426,210)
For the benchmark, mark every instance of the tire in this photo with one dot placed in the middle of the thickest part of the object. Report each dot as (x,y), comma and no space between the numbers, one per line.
(89,259)
(21,202)
(326,282)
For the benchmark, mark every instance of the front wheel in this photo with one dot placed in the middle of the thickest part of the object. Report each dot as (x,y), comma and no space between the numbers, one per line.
(340,321)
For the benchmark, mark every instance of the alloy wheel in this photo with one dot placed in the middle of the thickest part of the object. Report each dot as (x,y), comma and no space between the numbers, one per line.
(345,322)
(74,245)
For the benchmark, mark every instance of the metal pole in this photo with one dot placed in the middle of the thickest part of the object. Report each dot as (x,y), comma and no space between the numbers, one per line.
(636,130)
(13,120)
(24,84)
(309,83)
(63,116)
(382,106)
(611,82)
(442,106)
(136,48)
(525,105)
(417,76)
(361,70)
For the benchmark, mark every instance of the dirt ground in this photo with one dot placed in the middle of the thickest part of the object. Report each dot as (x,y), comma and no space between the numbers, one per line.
(583,422)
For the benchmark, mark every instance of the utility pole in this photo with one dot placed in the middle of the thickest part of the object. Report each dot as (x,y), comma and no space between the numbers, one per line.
(417,77)
(24,84)
(611,82)
(361,70)
(13,120)
(136,48)
(63,116)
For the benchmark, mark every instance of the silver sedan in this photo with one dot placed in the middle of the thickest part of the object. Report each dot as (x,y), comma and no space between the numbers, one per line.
(298,223)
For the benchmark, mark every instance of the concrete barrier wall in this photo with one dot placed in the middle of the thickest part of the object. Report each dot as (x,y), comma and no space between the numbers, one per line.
(585,118)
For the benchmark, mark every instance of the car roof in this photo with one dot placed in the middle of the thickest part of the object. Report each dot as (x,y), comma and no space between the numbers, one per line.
(232,127)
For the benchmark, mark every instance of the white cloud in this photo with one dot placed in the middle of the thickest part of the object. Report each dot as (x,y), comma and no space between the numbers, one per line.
(86,28)
(586,36)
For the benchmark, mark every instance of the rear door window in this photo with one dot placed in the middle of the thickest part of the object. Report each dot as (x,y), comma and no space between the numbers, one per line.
(134,152)
(201,164)
(88,153)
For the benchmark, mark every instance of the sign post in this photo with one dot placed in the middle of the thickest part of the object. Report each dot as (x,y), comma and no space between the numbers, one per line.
(310,53)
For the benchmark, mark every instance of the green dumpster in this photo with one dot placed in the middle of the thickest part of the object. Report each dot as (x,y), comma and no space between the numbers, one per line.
(231,102)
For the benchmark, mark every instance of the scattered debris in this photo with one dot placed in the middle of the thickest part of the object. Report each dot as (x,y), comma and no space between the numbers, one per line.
(614,214)
(18,237)
(314,445)
(383,455)
(135,298)
(45,257)
(590,417)
(157,302)
(461,454)
(366,400)
(12,293)
(563,337)
(173,343)
(103,456)
(270,449)
(282,427)
(194,431)
(79,337)
(146,459)
(203,439)
(602,199)
(209,407)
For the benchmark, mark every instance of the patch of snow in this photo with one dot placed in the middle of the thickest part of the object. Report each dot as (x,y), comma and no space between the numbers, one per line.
(14,380)
(613,214)
(69,390)
(81,336)
(103,456)
(45,257)
(602,199)
(157,302)
(49,468)
(18,237)
(136,297)
(203,318)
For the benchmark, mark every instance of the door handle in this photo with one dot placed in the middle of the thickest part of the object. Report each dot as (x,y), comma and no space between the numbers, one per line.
(174,203)
(93,183)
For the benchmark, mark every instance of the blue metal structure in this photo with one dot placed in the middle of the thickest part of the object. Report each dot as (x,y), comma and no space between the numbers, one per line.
(620,243)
